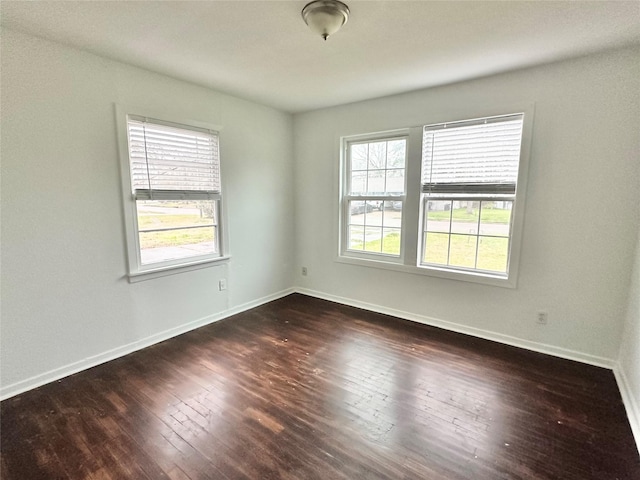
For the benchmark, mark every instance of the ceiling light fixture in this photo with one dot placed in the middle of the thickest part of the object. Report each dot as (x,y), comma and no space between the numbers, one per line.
(325,17)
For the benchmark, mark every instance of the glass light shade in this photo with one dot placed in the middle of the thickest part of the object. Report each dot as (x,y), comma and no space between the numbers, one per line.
(325,17)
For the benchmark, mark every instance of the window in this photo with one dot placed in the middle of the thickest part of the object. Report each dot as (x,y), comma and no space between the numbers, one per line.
(375,193)
(459,212)
(174,206)
(469,177)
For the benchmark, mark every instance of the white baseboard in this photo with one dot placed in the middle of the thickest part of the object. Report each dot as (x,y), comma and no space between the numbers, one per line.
(475,332)
(7,391)
(630,403)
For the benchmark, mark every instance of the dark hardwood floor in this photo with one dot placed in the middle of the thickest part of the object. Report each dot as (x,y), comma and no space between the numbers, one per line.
(302,388)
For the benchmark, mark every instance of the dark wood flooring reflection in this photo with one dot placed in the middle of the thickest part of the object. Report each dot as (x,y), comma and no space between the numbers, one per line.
(307,389)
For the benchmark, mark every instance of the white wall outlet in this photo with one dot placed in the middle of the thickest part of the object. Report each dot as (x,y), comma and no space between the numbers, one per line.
(222,284)
(304,271)
(541,318)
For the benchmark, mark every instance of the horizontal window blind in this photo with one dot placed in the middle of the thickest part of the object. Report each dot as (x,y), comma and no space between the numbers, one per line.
(472,157)
(168,162)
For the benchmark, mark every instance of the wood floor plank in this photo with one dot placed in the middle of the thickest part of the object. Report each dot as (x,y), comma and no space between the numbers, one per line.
(302,388)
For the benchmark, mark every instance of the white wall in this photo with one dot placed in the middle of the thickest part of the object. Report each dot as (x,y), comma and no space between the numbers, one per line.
(580,220)
(628,370)
(65,300)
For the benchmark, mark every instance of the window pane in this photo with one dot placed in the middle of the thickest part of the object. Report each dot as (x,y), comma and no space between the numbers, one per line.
(377,156)
(438,216)
(392,214)
(392,205)
(395,182)
(356,212)
(391,241)
(356,238)
(396,153)
(359,182)
(375,182)
(493,254)
(170,230)
(373,216)
(366,230)
(373,239)
(359,156)
(463,251)
(436,249)
(156,246)
(465,217)
(154,214)
(495,218)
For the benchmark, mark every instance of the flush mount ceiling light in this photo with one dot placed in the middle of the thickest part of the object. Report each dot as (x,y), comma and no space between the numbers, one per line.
(325,17)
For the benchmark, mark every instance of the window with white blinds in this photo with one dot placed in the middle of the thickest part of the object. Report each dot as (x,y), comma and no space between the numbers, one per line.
(469,178)
(170,162)
(477,156)
(174,208)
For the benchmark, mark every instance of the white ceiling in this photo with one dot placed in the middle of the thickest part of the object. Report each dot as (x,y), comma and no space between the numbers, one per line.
(263,51)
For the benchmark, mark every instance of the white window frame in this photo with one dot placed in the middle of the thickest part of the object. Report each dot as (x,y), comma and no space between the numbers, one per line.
(412,215)
(137,271)
(347,197)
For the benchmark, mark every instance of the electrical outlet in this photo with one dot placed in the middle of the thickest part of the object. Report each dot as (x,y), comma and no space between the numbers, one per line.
(304,271)
(542,318)
(222,284)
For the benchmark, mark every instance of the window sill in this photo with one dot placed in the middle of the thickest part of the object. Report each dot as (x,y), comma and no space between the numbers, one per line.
(473,277)
(142,275)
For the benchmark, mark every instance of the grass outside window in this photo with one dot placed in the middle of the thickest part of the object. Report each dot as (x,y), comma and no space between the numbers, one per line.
(174,229)
(470,235)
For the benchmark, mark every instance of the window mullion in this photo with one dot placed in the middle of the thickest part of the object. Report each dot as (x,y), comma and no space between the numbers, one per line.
(449,237)
(475,263)
(411,210)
